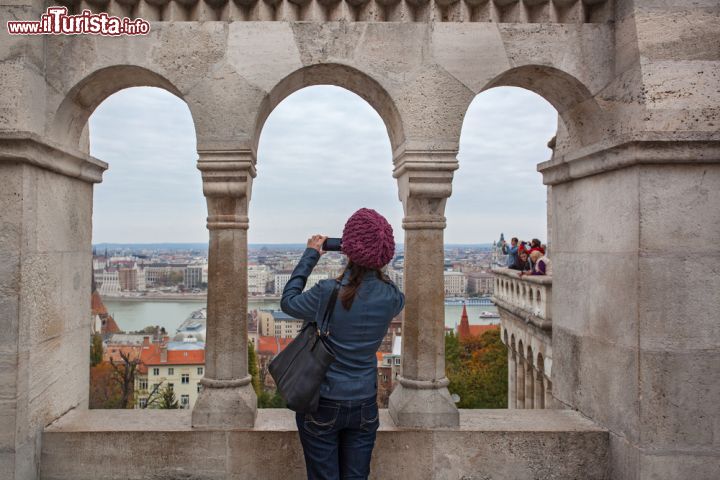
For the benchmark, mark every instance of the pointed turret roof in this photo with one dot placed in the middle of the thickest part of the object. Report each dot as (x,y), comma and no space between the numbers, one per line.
(464,328)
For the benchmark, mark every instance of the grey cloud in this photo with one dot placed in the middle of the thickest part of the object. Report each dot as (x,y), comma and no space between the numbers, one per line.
(324,152)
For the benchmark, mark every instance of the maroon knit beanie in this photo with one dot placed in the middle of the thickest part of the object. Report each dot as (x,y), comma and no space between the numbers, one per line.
(368,239)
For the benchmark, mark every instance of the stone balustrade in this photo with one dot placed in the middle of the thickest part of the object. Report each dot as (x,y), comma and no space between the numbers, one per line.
(528,296)
(524,304)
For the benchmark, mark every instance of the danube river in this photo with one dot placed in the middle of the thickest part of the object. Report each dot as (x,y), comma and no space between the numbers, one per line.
(132,315)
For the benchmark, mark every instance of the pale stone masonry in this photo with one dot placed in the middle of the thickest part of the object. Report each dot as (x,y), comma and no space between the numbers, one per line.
(635,221)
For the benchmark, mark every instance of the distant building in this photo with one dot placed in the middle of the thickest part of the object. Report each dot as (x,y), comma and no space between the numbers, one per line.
(498,259)
(108,281)
(276,323)
(102,322)
(397,277)
(258,279)
(481,283)
(388,370)
(282,278)
(193,276)
(179,365)
(455,284)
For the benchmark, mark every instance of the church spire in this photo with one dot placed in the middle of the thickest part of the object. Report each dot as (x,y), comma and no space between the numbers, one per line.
(464,329)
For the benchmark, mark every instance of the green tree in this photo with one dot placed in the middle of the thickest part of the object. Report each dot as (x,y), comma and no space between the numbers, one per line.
(253,370)
(477,370)
(167,398)
(96,350)
(270,400)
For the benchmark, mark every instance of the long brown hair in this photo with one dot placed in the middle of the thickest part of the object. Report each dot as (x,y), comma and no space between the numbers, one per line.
(357,272)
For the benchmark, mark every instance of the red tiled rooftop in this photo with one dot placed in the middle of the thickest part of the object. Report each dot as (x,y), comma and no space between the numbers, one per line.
(151,356)
(480,329)
(272,345)
(96,305)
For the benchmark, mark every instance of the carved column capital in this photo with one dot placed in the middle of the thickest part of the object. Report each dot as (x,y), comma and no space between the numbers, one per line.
(425,183)
(227,186)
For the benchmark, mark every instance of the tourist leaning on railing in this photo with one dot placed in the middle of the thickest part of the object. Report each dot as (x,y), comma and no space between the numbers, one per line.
(521,262)
(540,264)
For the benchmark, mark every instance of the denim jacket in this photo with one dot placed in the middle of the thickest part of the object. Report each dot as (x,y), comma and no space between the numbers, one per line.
(355,334)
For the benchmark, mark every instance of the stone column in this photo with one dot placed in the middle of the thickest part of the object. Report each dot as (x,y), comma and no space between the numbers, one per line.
(421,397)
(520,387)
(529,384)
(512,376)
(539,401)
(227,399)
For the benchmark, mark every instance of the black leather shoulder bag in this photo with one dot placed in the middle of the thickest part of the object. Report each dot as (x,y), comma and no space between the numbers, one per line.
(299,370)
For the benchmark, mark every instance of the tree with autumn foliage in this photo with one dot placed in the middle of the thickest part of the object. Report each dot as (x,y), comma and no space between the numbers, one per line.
(104,390)
(477,369)
(96,349)
(112,384)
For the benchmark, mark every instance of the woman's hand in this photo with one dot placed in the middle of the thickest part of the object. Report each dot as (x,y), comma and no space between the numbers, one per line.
(316,242)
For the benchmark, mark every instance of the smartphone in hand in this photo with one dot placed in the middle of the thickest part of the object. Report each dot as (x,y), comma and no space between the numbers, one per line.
(332,244)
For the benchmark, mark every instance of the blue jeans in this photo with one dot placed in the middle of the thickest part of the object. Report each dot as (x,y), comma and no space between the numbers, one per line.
(339,438)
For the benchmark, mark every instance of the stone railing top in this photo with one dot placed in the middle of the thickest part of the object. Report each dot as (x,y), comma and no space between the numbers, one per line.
(537,279)
(283,420)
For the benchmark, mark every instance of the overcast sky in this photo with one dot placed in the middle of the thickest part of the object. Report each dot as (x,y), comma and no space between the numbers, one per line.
(324,153)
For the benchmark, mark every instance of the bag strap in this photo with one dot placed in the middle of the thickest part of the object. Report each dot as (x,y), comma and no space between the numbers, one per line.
(329,309)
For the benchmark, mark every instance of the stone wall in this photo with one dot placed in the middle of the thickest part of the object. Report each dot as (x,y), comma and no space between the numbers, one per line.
(45,259)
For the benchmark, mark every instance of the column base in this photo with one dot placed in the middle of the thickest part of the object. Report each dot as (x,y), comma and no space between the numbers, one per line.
(225,408)
(422,407)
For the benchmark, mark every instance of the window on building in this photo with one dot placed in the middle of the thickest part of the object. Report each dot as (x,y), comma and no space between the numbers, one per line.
(143,384)
(171,386)
(200,370)
(156,371)
(397,361)
(171,371)
(155,386)
(143,402)
(199,387)
(184,401)
(185,378)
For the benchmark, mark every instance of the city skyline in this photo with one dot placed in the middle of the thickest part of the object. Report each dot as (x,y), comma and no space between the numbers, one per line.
(152,192)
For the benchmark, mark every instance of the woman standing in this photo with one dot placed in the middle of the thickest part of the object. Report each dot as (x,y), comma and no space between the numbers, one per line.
(339,438)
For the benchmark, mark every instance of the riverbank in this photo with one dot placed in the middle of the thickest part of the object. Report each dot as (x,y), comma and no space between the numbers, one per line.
(177,298)
(136,313)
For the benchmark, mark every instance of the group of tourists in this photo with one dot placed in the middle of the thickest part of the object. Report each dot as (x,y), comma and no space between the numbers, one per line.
(528,258)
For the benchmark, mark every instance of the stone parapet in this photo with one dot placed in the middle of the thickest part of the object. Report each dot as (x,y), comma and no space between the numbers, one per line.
(162,444)
(528,297)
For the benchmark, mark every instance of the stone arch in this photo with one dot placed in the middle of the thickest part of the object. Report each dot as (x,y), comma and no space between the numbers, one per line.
(344,76)
(84,97)
(540,363)
(529,356)
(576,106)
